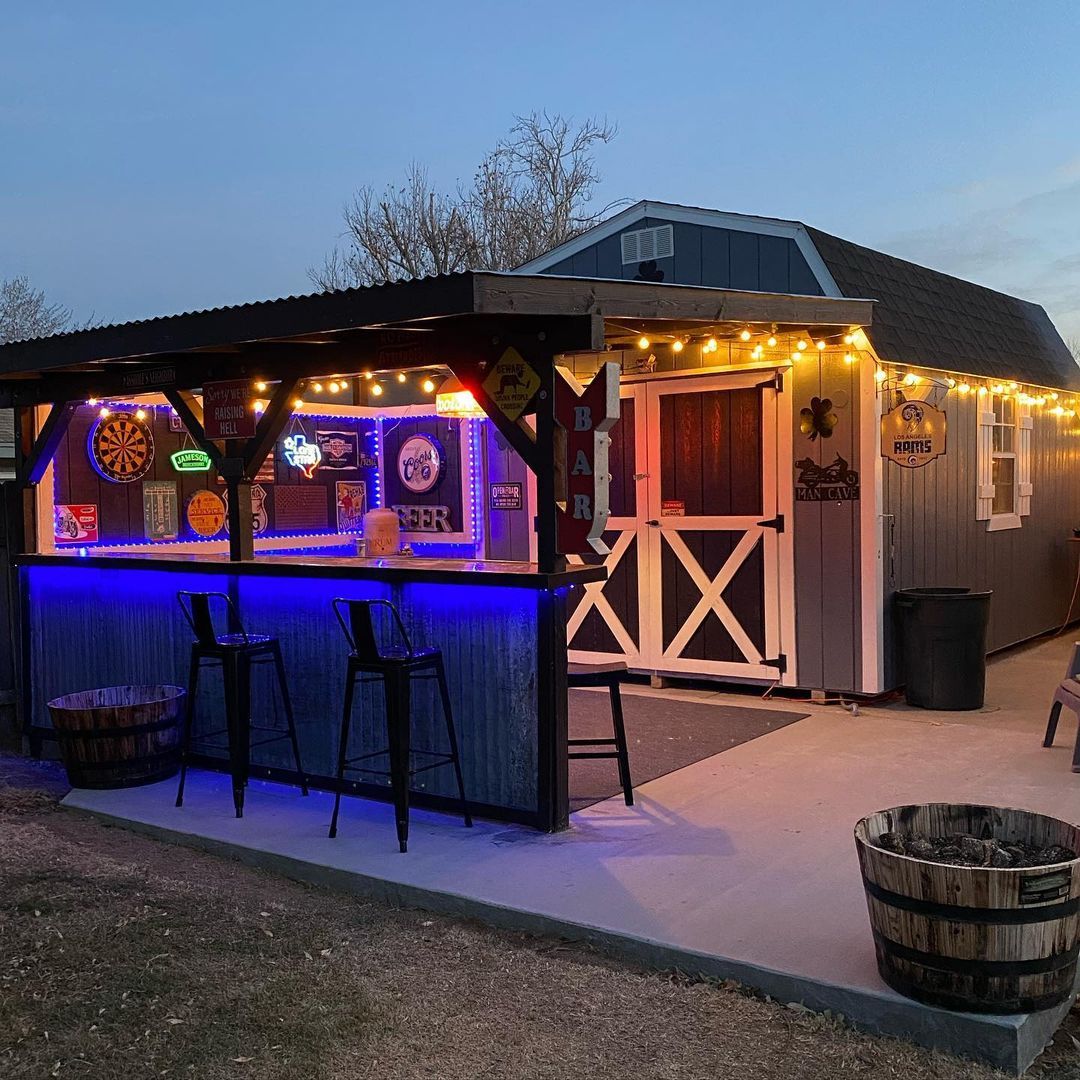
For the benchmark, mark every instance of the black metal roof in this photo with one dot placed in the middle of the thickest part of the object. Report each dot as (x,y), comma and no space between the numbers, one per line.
(925,317)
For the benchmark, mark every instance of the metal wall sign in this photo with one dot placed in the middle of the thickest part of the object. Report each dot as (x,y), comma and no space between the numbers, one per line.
(429,519)
(913,434)
(161,510)
(205,514)
(836,482)
(506,495)
(511,383)
(420,463)
(227,412)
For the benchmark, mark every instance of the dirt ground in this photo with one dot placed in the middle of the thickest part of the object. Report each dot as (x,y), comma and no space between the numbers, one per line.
(123,957)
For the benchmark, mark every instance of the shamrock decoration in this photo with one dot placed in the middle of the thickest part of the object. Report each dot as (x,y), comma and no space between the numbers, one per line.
(819,419)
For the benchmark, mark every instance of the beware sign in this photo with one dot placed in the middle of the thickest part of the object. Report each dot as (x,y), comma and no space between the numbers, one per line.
(226,411)
(511,383)
(913,434)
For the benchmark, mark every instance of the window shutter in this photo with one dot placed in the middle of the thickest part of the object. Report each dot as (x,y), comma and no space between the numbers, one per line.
(984,504)
(1023,462)
(643,244)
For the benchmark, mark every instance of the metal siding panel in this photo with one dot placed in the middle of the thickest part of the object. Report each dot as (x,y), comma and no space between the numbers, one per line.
(584,263)
(809,630)
(687,261)
(609,258)
(800,276)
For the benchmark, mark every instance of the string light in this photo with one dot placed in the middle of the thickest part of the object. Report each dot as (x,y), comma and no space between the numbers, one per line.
(91,401)
(643,342)
(800,345)
(758,350)
(677,345)
(771,342)
(261,387)
(745,335)
(427,386)
(964,388)
(849,339)
(880,375)
(712,345)
(259,406)
(103,411)
(849,358)
(317,387)
(376,390)
(298,403)
(997,388)
(820,345)
(982,391)
(140,414)
(796,356)
(401,376)
(910,379)
(951,381)
(1013,386)
(334,387)
(368,375)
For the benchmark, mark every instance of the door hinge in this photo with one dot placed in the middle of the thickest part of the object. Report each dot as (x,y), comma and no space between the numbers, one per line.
(780,663)
(776,523)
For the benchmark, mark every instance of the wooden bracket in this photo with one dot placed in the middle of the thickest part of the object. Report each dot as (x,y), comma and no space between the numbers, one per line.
(190,413)
(270,426)
(32,468)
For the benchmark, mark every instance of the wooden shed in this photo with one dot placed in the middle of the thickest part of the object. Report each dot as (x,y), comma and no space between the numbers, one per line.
(992,504)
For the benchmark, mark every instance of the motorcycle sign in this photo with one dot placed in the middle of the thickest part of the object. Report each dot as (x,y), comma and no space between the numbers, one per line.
(837,482)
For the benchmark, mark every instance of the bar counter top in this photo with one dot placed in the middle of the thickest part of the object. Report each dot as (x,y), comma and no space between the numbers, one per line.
(395,569)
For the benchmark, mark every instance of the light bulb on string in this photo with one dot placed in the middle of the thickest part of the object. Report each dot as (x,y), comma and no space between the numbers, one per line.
(402,377)
(261,387)
(880,375)
(643,342)
(950,381)
(849,358)
(103,412)
(91,401)
(376,390)
(368,375)
(821,345)
(677,345)
(711,345)
(334,387)
(317,387)
(800,345)
(849,339)
(140,414)
(298,403)
(771,342)
(427,386)
(964,388)
(982,391)
(745,335)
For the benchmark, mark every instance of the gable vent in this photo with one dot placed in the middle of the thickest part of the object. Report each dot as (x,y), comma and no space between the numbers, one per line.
(642,244)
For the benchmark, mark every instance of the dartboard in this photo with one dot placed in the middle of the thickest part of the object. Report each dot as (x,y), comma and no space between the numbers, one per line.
(122,448)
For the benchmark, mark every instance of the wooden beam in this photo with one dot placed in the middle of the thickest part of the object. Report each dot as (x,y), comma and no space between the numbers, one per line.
(31,468)
(190,412)
(270,426)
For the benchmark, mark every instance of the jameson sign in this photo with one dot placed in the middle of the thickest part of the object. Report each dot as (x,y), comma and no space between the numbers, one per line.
(913,434)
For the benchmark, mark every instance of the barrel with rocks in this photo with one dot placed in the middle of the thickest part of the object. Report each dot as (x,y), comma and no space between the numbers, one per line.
(973,907)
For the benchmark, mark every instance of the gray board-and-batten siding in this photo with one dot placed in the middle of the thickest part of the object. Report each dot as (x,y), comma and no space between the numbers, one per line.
(931,536)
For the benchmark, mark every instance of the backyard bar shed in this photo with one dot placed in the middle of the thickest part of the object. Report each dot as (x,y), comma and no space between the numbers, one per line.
(993,505)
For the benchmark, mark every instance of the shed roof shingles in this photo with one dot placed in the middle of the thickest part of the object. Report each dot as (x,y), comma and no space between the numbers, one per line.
(925,317)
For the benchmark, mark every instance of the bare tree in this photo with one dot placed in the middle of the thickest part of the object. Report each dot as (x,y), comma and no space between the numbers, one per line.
(25,312)
(1073,344)
(531,193)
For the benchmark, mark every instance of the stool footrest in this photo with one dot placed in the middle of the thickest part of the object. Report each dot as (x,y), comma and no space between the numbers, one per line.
(594,753)
(592,742)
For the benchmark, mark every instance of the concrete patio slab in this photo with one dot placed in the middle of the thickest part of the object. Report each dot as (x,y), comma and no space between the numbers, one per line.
(740,866)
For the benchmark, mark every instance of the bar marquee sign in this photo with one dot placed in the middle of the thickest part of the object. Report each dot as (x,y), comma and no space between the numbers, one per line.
(913,434)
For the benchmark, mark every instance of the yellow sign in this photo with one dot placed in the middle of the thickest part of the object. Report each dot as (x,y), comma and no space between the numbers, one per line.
(206,513)
(913,434)
(511,383)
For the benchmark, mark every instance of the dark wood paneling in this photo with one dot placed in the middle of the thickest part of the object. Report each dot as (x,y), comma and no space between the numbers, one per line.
(508,531)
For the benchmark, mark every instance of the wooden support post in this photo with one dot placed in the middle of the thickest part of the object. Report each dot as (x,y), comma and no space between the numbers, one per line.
(32,467)
(548,557)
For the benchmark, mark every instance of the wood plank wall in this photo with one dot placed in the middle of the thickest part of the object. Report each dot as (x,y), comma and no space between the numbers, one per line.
(933,538)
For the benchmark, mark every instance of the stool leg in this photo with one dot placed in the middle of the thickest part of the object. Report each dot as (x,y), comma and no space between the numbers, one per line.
(343,747)
(444,693)
(189,719)
(398,719)
(620,743)
(1076,748)
(1052,723)
(279,665)
(231,677)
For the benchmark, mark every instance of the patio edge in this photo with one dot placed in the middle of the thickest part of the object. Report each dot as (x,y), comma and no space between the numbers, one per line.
(1010,1043)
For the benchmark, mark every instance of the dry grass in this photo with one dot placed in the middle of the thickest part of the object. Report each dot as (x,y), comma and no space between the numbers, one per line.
(121,957)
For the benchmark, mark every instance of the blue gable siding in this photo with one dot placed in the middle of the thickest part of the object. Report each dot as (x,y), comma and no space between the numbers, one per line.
(719,258)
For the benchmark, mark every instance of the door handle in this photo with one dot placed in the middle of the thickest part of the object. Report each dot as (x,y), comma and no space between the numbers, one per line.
(641,476)
(653,522)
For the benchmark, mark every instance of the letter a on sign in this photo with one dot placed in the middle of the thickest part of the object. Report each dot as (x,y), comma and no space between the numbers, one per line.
(586,415)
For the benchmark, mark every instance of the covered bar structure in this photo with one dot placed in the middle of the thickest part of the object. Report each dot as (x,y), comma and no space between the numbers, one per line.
(237,451)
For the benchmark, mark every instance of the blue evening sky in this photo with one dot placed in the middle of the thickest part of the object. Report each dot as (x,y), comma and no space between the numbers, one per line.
(158,157)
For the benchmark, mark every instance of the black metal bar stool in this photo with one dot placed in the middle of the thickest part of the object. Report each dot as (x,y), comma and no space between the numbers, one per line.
(396,666)
(234,653)
(609,675)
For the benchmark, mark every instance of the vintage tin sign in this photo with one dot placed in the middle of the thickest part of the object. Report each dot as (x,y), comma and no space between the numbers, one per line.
(420,463)
(511,383)
(913,434)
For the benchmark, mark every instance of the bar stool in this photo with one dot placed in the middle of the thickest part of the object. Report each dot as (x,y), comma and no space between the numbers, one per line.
(609,675)
(234,653)
(396,666)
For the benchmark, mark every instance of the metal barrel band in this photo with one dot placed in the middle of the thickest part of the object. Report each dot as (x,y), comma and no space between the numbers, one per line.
(958,913)
(992,969)
(116,732)
(944,1000)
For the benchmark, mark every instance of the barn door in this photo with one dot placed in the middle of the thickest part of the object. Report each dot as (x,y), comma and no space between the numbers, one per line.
(711,528)
(605,617)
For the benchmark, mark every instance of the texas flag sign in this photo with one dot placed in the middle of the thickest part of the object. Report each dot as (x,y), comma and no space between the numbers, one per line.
(586,416)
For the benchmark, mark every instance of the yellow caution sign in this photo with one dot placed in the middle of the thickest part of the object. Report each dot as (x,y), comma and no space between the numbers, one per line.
(511,383)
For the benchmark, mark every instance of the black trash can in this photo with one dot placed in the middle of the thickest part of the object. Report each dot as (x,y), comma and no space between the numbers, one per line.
(943,638)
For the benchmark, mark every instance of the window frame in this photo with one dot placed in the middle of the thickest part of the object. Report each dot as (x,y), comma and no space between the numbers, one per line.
(1020,453)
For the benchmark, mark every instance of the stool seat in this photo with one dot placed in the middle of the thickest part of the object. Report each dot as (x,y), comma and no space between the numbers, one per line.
(242,641)
(602,673)
(398,654)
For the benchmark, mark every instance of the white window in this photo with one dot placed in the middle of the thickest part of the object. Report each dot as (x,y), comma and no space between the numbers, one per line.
(1004,460)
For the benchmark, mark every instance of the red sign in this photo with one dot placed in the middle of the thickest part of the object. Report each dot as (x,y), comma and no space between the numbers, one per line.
(227,412)
(587,416)
(75,523)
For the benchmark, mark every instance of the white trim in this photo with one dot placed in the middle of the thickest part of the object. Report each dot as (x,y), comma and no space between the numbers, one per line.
(871,526)
(1000,522)
(691,215)
(45,495)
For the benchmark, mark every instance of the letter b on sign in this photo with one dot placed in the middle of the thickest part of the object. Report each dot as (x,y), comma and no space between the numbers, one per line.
(582,418)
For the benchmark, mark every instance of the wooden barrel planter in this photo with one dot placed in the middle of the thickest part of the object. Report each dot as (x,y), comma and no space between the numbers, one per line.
(977,939)
(121,736)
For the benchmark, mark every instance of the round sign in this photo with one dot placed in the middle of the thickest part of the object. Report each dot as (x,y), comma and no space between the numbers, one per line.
(420,463)
(205,513)
(121,448)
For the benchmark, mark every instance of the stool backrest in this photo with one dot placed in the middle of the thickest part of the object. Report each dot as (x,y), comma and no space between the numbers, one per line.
(358,625)
(199,614)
